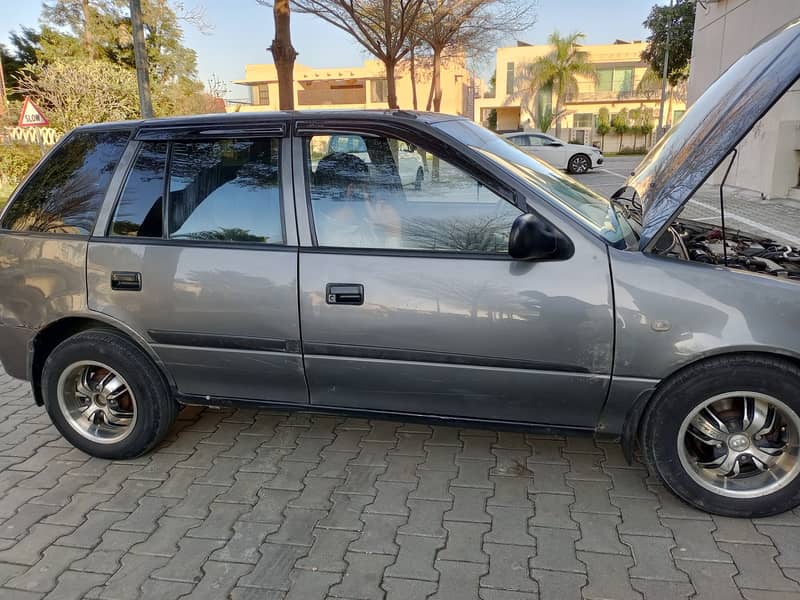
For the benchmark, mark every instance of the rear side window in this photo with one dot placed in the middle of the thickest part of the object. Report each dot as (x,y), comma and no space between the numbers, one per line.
(67,189)
(226,191)
(139,212)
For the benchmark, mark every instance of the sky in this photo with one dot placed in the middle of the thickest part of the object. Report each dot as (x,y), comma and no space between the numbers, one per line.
(242,30)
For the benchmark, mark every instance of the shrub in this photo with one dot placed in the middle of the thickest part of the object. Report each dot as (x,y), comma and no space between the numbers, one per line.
(15,161)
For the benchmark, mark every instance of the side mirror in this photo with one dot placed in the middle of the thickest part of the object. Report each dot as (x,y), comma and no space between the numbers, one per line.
(533,238)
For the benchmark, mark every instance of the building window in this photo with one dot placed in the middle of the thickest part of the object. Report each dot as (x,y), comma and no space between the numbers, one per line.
(583,120)
(379,90)
(510,83)
(263,94)
(615,79)
(676,115)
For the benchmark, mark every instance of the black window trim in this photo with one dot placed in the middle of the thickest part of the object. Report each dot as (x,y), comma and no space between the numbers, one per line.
(165,239)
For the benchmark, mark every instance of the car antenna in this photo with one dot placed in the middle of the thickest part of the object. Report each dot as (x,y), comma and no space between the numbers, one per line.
(722,208)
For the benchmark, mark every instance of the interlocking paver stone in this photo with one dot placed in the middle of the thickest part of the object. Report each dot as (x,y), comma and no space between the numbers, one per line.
(416,557)
(273,568)
(469,505)
(458,580)
(695,541)
(464,542)
(607,577)
(28,550)
(243,546)
(379,534)
(653,559)
(74,585)
(363,577)
(509,568)
(757,568)
(187,564)
(391,498)
(553,510)
(510,526)
(555,550)
(327,552)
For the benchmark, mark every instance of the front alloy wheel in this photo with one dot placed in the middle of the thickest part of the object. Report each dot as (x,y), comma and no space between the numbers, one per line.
(579,164)
(741,444)
(724,435)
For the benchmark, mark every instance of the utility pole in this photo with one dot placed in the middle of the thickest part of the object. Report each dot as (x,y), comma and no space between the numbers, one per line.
(664,76)
(140,53)
(3,99)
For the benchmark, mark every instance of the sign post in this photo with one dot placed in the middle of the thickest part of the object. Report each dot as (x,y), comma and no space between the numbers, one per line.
(32,116)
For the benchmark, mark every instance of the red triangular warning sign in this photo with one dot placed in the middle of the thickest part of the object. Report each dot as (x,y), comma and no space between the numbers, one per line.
(31,116)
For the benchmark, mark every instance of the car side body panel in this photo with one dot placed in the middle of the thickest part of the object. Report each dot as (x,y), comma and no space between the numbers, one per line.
(42,278)
(671,313)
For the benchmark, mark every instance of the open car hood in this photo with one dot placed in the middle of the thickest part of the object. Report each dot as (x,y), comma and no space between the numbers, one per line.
(712,127)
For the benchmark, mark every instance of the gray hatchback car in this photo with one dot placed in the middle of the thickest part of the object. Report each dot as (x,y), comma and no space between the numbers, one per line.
(238,259)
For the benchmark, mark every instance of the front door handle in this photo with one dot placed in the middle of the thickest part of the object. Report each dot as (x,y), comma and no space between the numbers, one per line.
(129,281)
(344,293)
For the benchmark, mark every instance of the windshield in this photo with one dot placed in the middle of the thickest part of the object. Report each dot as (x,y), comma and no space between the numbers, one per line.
(589,207)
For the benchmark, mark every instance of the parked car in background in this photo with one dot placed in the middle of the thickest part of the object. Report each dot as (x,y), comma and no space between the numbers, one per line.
(219,260)
(574,158)
(409,162)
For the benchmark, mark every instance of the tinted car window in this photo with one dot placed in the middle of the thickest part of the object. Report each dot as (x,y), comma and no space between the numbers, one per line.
(358,201)
(226,190)
(67,189)
(139,212)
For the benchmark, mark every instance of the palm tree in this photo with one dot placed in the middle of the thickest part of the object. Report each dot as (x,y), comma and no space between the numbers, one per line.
(559,69)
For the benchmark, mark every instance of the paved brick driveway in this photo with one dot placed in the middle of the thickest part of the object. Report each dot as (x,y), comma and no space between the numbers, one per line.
(270,505)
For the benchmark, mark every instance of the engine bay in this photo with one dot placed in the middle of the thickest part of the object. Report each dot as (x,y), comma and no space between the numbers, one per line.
(703,242)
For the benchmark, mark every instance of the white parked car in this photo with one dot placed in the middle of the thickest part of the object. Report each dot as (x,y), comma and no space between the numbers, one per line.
(409,163)
(575,158)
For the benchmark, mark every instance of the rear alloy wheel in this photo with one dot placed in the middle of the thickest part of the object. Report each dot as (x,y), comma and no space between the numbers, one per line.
(725,436)
(106,396)
(578,164)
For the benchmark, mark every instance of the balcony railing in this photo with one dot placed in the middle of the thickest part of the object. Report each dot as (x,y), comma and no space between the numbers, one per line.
(609,96)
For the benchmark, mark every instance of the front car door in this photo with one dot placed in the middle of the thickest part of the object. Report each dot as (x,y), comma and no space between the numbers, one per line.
(549,150)
(410,303)
(199,256)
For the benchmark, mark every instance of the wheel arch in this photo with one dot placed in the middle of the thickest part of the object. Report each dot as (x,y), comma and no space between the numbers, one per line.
(632,425)
(50,336)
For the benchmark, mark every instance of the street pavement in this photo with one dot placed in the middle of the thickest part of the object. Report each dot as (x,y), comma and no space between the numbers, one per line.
(776,218)
(299,506)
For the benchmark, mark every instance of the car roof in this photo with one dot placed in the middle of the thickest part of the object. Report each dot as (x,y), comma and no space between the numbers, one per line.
(244,118)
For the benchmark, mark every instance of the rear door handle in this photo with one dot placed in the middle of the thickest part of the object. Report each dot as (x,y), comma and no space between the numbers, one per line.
(130,281)
(344,293)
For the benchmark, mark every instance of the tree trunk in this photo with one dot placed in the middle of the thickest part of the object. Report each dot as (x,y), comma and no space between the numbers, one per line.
(559,108)
(437,80)
(391,84)
(669,115)
(412,58)
(283,53)
(87,28)
(603,143)
(621,135)
(429,103)
(140,54)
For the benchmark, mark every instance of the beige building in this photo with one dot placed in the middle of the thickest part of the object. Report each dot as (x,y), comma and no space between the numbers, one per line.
(357,87)
(619,71)
(769,157)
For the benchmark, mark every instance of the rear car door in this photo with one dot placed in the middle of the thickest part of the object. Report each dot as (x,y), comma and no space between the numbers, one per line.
(410,303)
(199,256)
(544,147)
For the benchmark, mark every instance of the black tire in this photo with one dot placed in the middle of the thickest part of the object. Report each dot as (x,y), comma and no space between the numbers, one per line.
(419,179)
(579,164)
(682,394)
(156,410)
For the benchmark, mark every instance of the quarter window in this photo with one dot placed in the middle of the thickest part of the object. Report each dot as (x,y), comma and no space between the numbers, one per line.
(66,191)
(139,212)
(389,194)
(226,191)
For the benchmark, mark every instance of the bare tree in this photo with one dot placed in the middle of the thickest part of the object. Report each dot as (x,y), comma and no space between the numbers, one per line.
(283,53)
(469,27)
(382,27)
